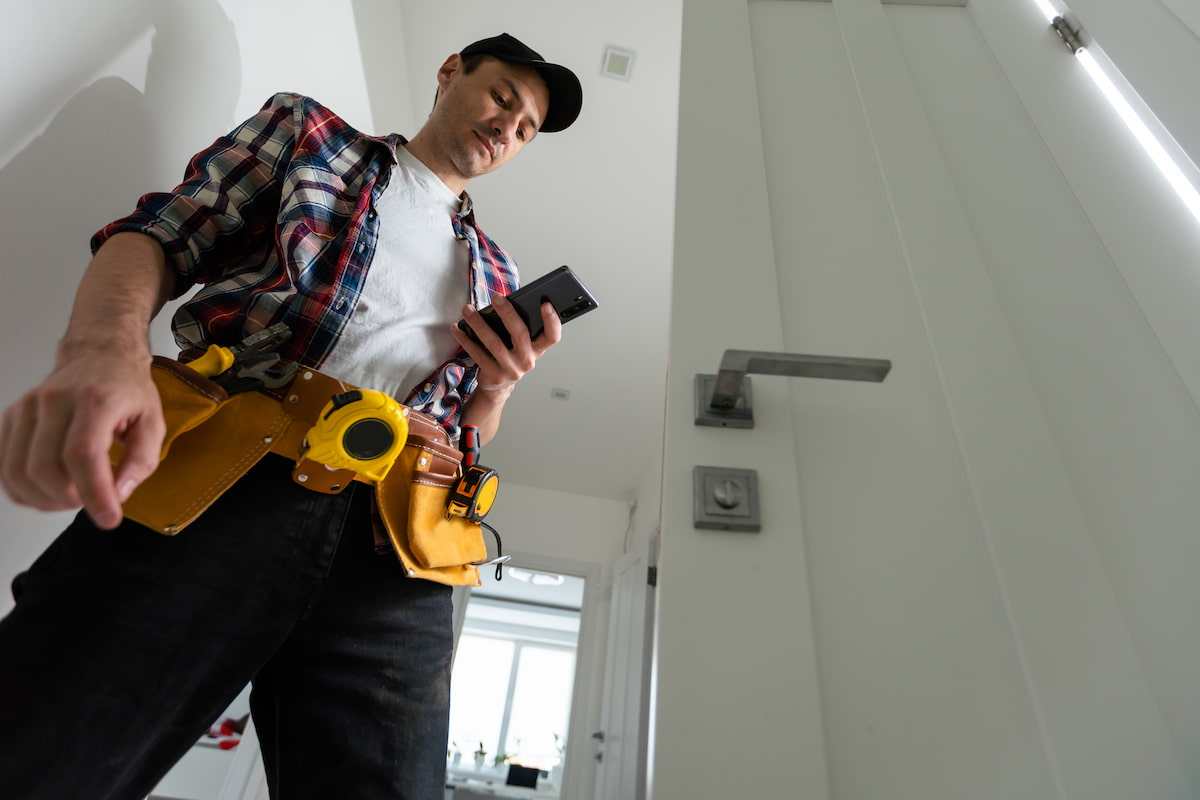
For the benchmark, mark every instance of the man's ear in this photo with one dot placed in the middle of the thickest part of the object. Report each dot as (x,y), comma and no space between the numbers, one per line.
(451,67)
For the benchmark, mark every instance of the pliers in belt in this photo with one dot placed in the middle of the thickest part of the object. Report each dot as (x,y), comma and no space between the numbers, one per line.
(252,364)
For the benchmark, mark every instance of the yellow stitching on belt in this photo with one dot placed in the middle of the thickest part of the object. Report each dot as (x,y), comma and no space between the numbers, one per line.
(183,377)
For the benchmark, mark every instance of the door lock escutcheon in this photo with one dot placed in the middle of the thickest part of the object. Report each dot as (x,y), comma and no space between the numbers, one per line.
(726,499)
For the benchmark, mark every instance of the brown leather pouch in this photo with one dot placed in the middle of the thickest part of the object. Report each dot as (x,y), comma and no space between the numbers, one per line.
(211,441)
(412,502)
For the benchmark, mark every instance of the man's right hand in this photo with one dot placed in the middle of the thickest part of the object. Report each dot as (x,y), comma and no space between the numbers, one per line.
(55,440)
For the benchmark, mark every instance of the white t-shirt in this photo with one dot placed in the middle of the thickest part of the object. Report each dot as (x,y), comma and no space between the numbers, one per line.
(417,284)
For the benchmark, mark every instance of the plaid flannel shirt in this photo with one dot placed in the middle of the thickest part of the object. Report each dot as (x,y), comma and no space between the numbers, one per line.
(277,222)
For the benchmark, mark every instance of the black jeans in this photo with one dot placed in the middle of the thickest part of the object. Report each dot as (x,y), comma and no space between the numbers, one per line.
(125,645)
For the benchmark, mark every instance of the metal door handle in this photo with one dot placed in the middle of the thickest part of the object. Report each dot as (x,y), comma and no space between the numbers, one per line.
(723,400)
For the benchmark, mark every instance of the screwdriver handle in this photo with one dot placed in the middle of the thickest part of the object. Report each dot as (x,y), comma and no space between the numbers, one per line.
(470,445)
(216,359)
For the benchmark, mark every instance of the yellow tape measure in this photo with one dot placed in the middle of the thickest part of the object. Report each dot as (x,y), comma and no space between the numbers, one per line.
(363,430)
(475,493)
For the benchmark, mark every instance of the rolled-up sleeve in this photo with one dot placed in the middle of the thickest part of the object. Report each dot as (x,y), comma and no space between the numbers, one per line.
(224,212)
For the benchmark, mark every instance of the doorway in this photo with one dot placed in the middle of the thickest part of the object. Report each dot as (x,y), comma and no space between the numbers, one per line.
(521,667)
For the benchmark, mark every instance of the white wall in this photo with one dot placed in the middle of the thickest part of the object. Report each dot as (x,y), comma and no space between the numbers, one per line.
(111,101)
(973,580)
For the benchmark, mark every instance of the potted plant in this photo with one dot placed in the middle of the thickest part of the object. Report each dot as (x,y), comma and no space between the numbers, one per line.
(480,755)
(560,744)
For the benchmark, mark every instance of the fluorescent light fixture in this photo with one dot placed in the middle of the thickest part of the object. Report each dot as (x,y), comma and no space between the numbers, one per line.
(1146,138)
(1153,146)
(536,578)
(1047,9)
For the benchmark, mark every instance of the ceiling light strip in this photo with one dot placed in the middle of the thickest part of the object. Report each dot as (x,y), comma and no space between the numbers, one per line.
(1136,122)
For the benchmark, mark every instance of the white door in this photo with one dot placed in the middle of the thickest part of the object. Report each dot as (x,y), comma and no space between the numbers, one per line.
(621,742)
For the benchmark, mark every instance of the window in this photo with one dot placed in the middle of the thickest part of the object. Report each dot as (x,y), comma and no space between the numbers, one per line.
(514,671)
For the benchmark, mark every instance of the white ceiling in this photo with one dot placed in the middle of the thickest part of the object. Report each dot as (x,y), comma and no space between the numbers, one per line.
(598,197)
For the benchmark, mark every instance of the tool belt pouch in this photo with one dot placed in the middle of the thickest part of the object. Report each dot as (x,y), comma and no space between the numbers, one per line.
(211,441)
(412,502)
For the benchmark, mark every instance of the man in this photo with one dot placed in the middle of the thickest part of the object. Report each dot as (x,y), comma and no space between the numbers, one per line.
(125,644)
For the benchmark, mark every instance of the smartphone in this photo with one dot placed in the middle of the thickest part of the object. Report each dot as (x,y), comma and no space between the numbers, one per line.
(561,288)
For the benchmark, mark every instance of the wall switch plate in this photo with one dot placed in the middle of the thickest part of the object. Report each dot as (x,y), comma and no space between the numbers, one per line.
(726,499)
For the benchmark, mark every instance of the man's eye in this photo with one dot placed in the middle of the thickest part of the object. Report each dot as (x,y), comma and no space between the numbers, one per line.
(499,99)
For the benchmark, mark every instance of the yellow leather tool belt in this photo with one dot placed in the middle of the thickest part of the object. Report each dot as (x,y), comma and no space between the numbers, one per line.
(213,439)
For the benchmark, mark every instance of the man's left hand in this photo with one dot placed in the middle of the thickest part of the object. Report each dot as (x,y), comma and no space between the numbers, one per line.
(500,367)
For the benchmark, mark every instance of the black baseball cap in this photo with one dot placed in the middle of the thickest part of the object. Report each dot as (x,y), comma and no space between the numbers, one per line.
(566,95)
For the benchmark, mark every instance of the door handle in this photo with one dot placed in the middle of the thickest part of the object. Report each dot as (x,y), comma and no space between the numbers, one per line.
(723,400)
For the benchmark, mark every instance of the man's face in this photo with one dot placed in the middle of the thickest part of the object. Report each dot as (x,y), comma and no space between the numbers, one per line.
(486,117)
